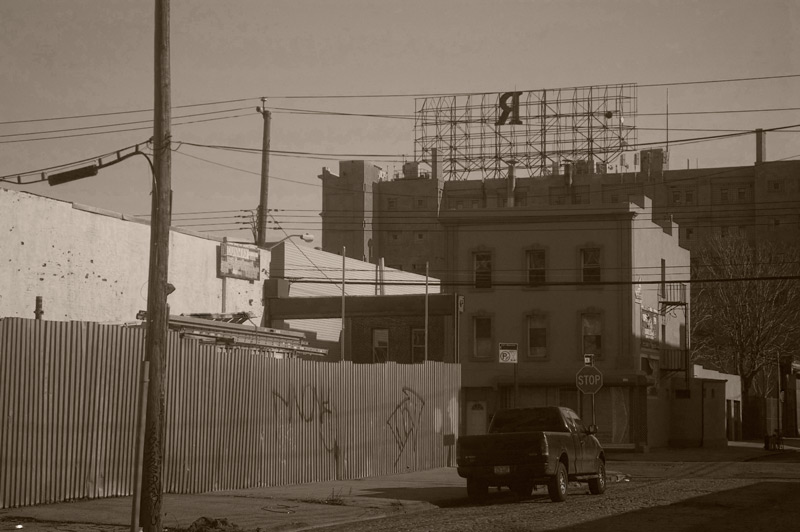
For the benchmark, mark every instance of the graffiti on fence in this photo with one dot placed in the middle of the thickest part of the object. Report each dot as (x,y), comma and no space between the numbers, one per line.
(404,422)
(309,406)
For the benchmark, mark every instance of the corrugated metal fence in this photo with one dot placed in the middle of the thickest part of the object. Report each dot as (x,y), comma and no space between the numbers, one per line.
(236,417)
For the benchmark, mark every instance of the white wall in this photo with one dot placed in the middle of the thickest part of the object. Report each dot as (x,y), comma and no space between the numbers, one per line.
(92,265)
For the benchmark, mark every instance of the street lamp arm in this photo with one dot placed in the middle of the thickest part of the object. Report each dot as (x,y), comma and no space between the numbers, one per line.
(305,237)
(91,170)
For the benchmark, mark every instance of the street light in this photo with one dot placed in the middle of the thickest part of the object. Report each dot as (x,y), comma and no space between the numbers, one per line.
(305,237)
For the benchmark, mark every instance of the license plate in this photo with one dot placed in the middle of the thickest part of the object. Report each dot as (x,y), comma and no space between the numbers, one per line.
(502,470)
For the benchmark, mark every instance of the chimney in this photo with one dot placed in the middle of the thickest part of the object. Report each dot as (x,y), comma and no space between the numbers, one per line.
(512,185)
(761,146)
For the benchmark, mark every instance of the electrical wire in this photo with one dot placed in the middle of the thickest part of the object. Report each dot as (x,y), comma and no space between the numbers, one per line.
(406,95)
(116,124)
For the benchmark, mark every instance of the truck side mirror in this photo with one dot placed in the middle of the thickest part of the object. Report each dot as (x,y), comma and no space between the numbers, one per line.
(591,429)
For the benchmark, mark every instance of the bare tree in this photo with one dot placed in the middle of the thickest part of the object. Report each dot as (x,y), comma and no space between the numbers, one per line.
(746,309)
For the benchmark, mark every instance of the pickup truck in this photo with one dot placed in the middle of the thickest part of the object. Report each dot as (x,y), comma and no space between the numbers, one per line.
(529,447)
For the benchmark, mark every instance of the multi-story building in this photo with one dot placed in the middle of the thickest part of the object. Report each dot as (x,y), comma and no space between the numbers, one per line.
(759,201)
(375,218)
(560,282)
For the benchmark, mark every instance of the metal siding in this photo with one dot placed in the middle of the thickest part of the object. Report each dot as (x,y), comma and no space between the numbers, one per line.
(236,417)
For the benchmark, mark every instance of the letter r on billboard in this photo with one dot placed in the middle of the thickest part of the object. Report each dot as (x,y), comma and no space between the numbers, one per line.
(507,109)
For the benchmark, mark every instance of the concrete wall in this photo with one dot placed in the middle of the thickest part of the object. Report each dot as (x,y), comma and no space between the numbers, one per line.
(92,265)
(698,415)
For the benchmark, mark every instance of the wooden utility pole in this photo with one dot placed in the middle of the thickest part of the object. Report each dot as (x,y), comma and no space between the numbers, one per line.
(157,310)
(264,196)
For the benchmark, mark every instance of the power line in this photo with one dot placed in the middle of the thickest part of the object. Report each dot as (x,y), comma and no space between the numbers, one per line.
(351,96)
(119,130)
(97,115)
(116,124)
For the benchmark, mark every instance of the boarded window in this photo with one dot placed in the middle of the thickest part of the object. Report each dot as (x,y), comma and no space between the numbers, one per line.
(592,327)
(380,345)
(590,265)
(482,327)
(536,267)
(418,345)
(537,336)
(483,270)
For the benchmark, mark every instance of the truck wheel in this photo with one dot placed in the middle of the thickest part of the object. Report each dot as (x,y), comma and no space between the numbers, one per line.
(557,487)
(523,488)
(598,485)
(477,489)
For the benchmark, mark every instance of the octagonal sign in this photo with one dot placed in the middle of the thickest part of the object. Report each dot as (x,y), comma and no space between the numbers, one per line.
(589,379)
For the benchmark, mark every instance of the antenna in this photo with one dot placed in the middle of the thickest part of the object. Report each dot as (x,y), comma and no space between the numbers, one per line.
(667,119)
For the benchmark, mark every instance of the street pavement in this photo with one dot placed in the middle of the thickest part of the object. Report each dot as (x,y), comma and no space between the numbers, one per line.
(308,506)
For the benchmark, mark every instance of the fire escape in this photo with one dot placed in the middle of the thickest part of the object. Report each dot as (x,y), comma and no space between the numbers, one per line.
(672,297)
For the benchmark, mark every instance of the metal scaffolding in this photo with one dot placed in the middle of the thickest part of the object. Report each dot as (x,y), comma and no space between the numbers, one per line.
(585,126)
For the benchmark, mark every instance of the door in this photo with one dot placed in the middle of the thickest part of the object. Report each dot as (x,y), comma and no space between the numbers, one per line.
(476,417)
(584,446)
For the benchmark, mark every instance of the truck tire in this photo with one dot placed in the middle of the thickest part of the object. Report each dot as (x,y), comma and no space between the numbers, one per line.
(557,487)
(598,485)
(477,489)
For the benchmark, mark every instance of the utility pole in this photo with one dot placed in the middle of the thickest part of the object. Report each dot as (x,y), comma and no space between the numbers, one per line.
(264,196)
(157,310)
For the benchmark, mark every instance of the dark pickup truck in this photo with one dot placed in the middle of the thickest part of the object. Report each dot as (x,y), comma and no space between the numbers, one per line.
(529,447)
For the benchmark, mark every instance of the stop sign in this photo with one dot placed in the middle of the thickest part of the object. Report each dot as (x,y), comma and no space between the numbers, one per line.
(589,379)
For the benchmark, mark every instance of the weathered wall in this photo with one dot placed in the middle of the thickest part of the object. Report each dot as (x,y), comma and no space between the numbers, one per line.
(92,265)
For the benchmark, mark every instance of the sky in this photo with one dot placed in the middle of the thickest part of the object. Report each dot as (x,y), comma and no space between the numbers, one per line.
(65,59)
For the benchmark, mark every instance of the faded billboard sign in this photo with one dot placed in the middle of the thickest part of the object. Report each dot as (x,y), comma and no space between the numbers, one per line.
(650,329)
(239,262)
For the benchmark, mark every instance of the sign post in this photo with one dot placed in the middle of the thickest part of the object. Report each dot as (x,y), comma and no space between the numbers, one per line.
(589,380)
(508,355)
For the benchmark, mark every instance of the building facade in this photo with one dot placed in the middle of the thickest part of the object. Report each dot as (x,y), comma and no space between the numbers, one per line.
(559,283)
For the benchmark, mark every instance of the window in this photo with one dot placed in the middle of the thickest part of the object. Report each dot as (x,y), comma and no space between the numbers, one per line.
(592,330)
(741,194)
(483,270)
(689,197)
(420,203)
(395,236)
(614,198)
(418,267)
(391,204)
(558,196)
(536,267)
(482,330)
(420,236)
(473,204)
(676,197)
(580,194)
(501,200)
(417,345)
(521,199)
(459,204)
(775,185)
(774,223)
(537,336)
(590,265)
(723,194)
(689,233)
(380,345)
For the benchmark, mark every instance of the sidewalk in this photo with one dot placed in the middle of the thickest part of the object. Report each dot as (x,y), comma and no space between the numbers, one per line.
(299,507)
(308,506)
(736,451)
